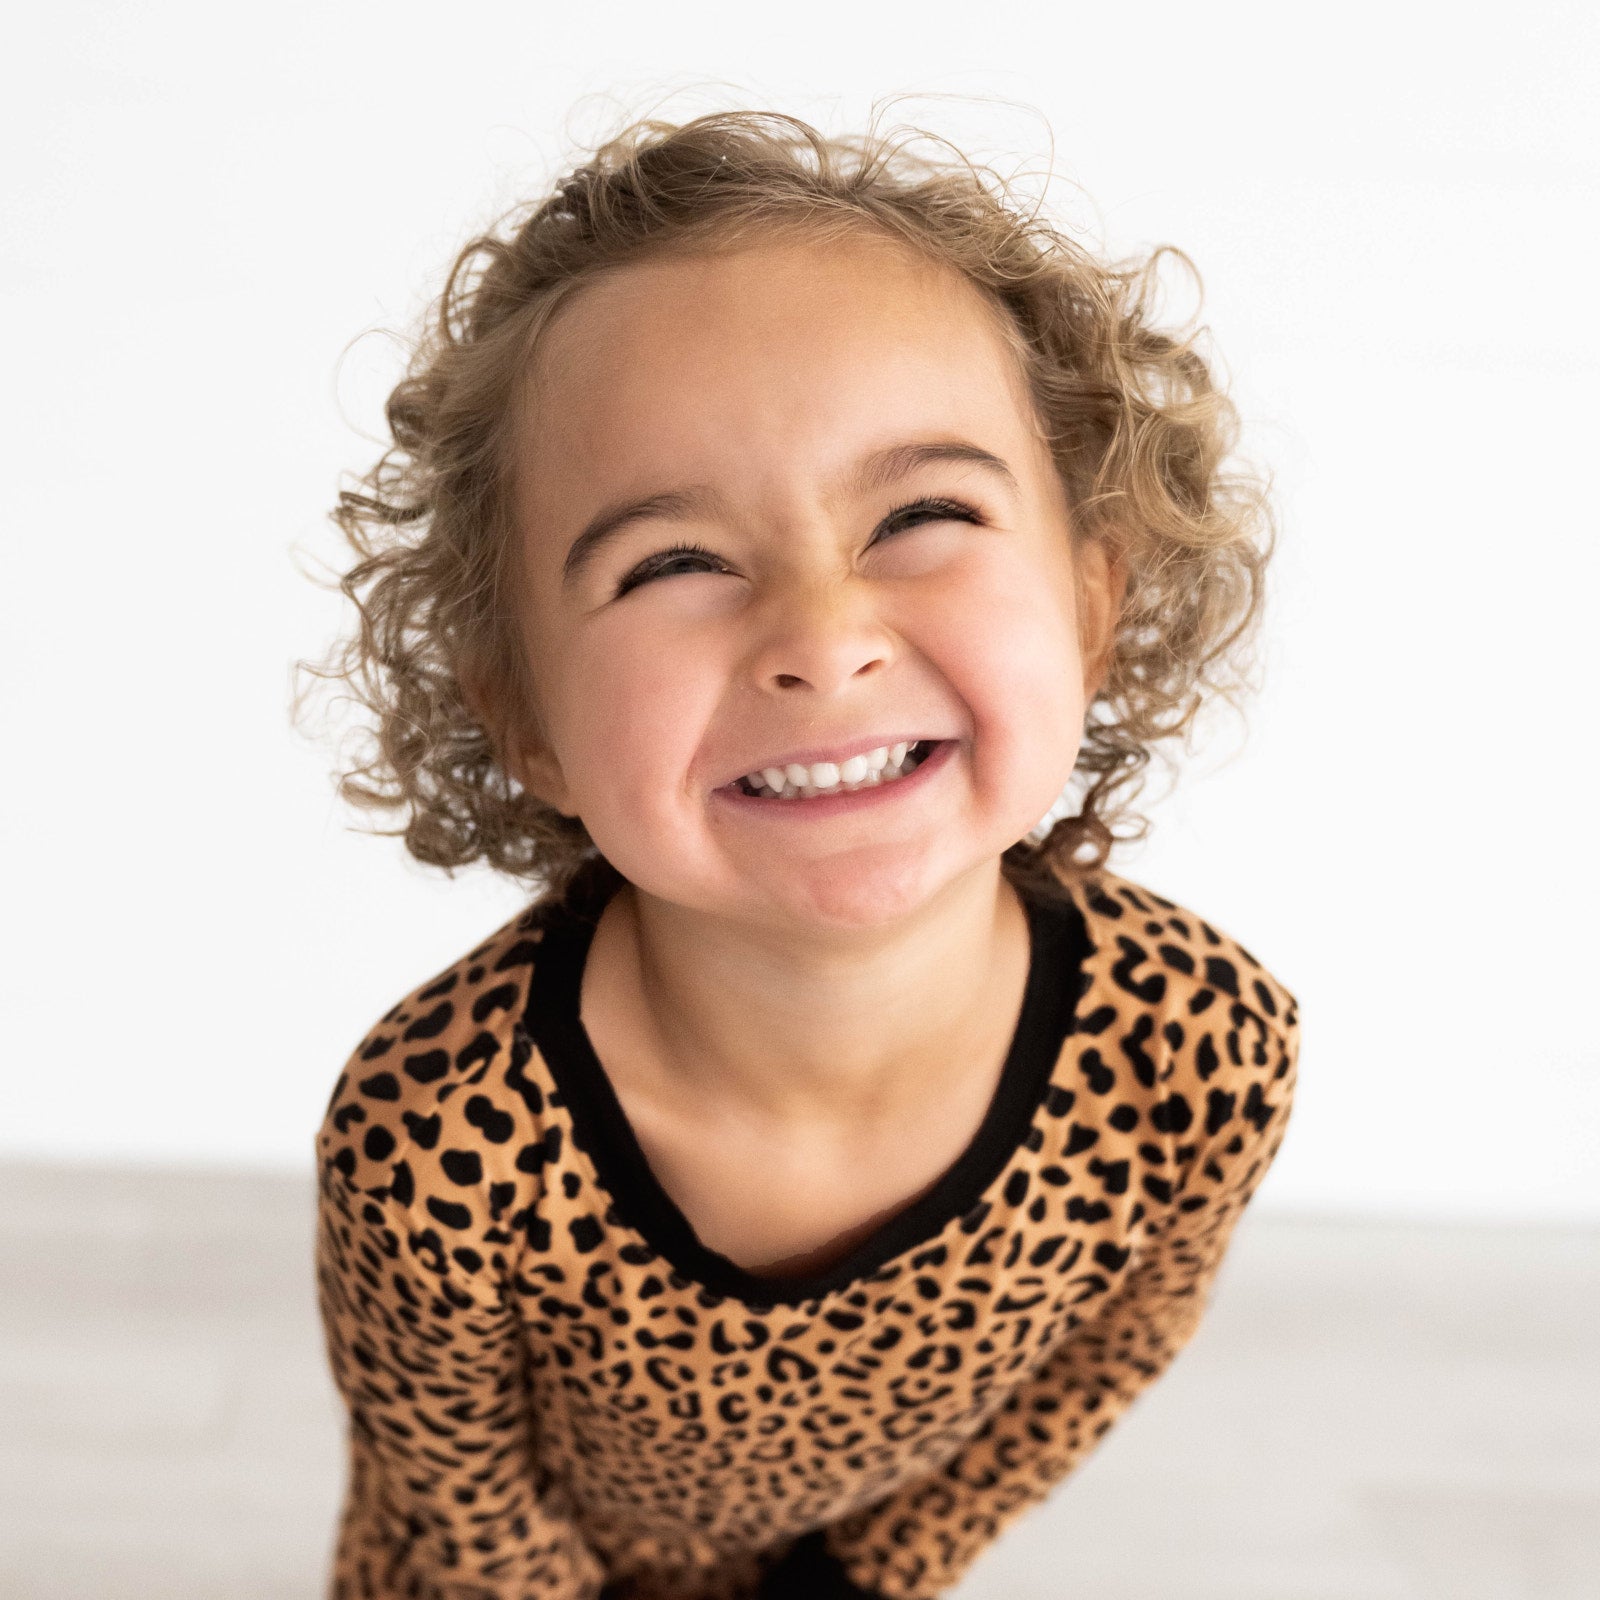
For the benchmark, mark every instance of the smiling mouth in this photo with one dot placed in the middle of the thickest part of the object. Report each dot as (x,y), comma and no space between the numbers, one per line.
(792,792)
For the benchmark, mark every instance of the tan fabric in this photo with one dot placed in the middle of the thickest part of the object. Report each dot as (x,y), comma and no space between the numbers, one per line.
(546,1395)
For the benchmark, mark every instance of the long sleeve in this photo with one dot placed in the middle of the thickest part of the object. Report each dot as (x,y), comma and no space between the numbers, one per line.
(918,1542)
(443,1499)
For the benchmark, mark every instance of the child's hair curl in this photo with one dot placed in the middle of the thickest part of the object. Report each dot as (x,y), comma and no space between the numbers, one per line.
(1140,432)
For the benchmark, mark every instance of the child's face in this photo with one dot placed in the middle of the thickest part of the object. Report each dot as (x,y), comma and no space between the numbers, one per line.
(760,380)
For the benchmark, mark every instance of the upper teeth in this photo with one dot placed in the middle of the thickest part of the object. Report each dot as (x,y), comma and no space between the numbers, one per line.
(825,775)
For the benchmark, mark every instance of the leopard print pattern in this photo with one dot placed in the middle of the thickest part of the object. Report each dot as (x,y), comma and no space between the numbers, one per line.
(541,1405)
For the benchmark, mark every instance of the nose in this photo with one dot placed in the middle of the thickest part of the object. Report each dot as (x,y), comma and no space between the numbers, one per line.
(820,635)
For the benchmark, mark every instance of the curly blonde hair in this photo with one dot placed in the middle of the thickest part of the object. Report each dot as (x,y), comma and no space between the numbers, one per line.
(1140,431)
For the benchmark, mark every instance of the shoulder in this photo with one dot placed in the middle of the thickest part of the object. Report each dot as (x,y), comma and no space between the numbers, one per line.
(1189,1038)
(438,1112)
(1168,957)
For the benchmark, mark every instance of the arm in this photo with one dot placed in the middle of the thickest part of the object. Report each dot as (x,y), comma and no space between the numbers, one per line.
(917,1543)
(443,1499)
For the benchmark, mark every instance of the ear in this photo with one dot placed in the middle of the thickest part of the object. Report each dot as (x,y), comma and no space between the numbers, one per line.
(1102,583)
(535,767)
(527,759)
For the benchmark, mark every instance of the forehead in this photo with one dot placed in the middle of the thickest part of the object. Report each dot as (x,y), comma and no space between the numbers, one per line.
(791,347)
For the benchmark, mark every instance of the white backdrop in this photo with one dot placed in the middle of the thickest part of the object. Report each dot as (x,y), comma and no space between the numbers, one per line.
(1394,211)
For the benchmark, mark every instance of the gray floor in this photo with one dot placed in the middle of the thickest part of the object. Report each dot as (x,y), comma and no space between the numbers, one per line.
(1369,1412)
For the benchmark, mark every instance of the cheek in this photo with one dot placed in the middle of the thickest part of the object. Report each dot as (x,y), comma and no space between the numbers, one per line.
(637,712)
(1008,640)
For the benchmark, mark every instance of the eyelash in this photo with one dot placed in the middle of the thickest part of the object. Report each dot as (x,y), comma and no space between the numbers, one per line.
(936,506)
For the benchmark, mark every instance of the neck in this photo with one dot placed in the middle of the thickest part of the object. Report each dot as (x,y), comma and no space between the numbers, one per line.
(803,1032)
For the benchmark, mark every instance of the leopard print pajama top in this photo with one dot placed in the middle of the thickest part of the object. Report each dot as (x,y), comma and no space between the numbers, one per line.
(555,1391)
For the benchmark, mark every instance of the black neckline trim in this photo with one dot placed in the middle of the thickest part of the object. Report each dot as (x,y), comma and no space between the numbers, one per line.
(1059,946)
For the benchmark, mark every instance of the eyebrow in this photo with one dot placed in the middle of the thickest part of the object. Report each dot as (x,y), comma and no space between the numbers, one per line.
(876,470)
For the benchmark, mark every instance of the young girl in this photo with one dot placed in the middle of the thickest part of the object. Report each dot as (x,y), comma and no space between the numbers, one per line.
(775,529)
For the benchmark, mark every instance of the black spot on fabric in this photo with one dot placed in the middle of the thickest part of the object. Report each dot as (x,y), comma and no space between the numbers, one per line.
(530,1158)
(345,1161)
(1019,1302)
(586,1233)
(1172,1115)
(1110,1256)
(1132,1043)
(443,986)
(1149,989)
(428,1067)
(538,1231)
(783,1362)
(495,1125)
(1034,1138)
(430,1249)
(1081,1210)
(379,1144)
(402,1186)
(1219,1109)
(1058,1102)
(1016,1188)
(1100,1077)
(1079,1139)
(500,1196)
(501,998)
(1097,1020)
(431,1025)
(469,1259)
(1124,1118)
(1258,1108)
(424,1131)
(377,1047)
(1173,1033)
(844,1321)
(570,1185)
(1176,957)
(1201,1000)
(463,1167)
(1054,1176)
(1104,904)
(1112,1174)
(1044,1252)
(477,1053)
(517,1079)
(449,1213)
(1264,996)
(982,1253)
(345,1115)
(1158,1189)
(1205,1058)
(1222,974)
(381,1086)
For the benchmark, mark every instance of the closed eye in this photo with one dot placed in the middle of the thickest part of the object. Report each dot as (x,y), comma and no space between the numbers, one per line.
(912,514)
